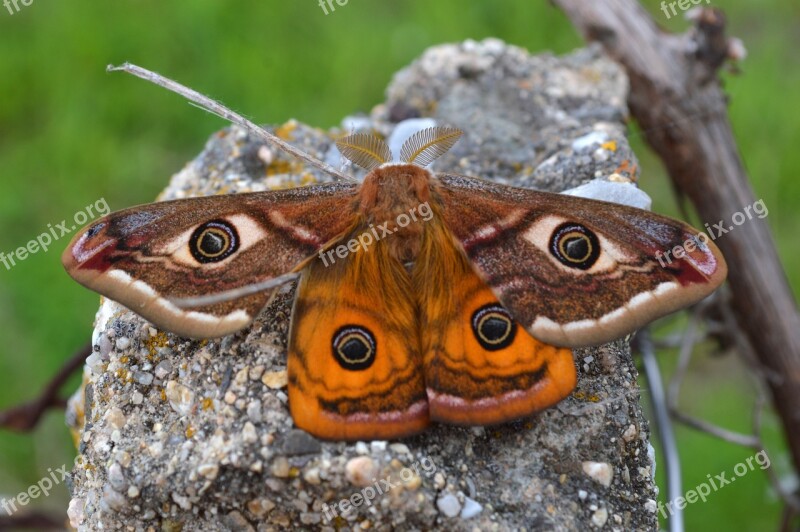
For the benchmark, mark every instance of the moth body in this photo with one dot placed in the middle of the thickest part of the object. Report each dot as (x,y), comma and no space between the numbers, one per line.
(391,197)
(421,297)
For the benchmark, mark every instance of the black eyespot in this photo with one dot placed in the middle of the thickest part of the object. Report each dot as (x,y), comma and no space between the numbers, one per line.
(354,347)
(493,326)
(575,246)
(213,241)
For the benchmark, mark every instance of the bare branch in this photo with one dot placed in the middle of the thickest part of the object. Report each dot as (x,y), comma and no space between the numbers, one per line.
(25,417)
(673,77)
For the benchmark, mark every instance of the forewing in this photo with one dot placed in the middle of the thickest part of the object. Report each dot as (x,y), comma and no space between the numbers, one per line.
(514,238)
(147,257)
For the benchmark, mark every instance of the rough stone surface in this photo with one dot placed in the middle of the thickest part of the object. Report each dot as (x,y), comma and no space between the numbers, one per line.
(196,435)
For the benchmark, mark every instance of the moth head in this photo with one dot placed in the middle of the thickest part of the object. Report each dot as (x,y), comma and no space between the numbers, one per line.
(421,149)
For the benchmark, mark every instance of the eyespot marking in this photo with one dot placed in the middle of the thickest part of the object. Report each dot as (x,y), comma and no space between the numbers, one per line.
(575,246)
(493,327)
(354,347)
(213,241)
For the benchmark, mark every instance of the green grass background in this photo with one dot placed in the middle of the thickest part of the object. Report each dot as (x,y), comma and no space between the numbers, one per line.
(71,134)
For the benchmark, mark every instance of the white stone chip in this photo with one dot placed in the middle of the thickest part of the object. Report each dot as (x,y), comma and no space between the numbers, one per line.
(622,193)
(448,504)
(471,508)
(600,472)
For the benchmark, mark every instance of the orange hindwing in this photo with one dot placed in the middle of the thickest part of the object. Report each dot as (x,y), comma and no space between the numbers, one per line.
(481,367)
(354,366)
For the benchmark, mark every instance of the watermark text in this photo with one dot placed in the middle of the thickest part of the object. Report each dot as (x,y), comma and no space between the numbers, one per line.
(379,487)
(704,489)
(35,491)
(43,241)
(714,231)
(325,5)
(683,5)
(15,4)
(375,233)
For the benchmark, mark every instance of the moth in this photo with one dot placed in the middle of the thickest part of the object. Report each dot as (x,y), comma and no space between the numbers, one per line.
(462,309)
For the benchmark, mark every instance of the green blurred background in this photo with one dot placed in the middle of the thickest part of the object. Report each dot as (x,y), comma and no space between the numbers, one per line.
(71,134)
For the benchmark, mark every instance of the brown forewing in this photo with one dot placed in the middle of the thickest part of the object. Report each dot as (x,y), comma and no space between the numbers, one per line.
(285,227)
(497,227)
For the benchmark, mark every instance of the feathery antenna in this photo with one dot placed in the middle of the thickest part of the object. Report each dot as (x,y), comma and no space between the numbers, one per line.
(427,145)
(365,150)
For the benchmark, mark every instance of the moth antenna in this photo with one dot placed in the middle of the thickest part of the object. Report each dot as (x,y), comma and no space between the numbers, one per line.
(220,110)
(236,293)
(365,150)
(427,145)
(209,111)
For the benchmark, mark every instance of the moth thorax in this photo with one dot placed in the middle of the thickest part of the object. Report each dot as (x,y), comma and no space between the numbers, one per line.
(393,189)
(396,199)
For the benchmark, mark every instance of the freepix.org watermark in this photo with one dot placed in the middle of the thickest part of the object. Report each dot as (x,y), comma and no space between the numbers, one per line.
(704,489)
(714,232)
(13,6)
(683,5)
(41,488)
(43,241)
(369,237)
(327,5)
(379,487)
